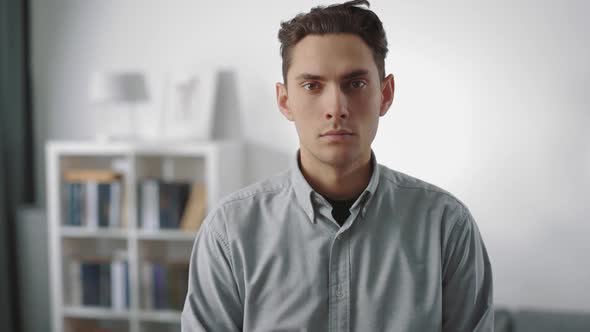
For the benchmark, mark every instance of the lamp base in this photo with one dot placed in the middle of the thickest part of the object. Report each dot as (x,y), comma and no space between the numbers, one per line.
(106,138)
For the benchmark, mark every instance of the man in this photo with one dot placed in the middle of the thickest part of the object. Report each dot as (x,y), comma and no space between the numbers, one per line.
(338,242)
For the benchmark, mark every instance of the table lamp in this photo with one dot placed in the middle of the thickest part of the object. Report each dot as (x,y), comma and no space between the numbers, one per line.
(119,88)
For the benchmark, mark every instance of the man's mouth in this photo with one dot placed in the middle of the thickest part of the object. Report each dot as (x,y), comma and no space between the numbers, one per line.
(340,132)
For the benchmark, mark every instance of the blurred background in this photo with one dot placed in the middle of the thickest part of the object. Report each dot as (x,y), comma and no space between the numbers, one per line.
(492,104)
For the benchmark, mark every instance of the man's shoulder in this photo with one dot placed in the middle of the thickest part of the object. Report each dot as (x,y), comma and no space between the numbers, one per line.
(404,183)
(248,201)
(263,188)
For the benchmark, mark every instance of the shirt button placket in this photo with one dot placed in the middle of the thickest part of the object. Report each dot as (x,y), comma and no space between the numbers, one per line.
(339,285)
(344,286)
(334,287)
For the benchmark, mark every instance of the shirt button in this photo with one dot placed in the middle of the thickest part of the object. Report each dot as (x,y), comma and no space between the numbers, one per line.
(339,292)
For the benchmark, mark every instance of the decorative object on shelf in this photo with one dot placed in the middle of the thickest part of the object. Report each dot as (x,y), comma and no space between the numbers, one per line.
(108,90)
(188,104)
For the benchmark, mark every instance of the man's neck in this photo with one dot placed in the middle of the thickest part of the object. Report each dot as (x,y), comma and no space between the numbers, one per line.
(337,183)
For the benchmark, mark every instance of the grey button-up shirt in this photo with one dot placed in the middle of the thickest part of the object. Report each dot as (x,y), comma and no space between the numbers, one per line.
(270,257)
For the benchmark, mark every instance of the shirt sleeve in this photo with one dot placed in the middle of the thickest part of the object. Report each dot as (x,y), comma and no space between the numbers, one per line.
(467,280)
(212,302)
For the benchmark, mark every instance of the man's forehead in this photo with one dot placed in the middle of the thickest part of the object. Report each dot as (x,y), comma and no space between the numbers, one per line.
(331,54)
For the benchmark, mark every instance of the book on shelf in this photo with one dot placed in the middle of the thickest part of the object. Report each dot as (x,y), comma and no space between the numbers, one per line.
(195,209)
(163,285)
(98,175)
(119,284)
(93,198)
(170,204)
(98,282)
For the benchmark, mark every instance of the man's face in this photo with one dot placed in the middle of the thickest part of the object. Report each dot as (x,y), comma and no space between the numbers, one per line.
(335,97)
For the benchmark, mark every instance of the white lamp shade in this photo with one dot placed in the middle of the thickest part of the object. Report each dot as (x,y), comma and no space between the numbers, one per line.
(108,87)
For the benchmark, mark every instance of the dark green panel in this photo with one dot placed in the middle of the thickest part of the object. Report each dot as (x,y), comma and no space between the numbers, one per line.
(15,149)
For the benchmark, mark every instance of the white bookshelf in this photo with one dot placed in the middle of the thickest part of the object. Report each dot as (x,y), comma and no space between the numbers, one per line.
(215,164)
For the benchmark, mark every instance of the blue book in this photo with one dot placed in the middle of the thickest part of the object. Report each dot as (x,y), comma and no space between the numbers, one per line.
(90,274)
(105,285)
(159,287)
(127,297)
(74,217)
(184,190)
(173,191)
(70,190)
(104,202)
(173,199)
(80,204)
(140,213)
(165,204)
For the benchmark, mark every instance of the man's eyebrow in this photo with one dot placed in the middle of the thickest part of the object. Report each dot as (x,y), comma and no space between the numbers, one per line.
(352,74)
(307,76)
(356,73)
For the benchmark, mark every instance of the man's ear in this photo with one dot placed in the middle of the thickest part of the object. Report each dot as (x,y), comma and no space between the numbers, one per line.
(282,101)
(387,90)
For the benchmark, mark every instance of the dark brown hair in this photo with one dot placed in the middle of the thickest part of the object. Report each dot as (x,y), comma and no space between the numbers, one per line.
(337,18)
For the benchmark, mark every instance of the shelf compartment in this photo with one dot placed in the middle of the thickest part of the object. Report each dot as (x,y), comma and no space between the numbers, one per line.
(163,275)
(92,245)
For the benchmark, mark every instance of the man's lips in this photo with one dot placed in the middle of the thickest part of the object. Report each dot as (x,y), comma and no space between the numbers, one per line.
(336,133)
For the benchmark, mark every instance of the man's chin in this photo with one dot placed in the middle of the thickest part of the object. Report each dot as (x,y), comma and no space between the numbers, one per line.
(335,155)
(338,158)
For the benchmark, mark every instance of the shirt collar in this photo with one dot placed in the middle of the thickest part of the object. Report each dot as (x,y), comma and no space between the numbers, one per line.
(305,193)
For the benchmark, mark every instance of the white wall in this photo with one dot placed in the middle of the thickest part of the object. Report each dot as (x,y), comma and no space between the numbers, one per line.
(491,104)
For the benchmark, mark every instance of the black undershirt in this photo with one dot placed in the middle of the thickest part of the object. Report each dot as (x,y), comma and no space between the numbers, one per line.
(341,209)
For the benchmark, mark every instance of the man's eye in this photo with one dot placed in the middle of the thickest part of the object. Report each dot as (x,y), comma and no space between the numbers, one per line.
(310,86)
(357,84)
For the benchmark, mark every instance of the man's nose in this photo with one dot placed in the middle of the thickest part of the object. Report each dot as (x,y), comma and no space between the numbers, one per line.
(336,103)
